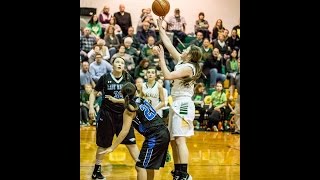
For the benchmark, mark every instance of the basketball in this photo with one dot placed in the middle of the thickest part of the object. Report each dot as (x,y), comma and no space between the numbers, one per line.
(160,7)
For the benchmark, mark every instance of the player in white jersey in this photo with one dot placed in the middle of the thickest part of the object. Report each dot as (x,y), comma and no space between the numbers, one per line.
(153,91)
(182,110)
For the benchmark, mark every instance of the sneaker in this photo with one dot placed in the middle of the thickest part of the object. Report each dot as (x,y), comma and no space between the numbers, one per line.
(175,174)
(179,175)
(97,173)
(215,129)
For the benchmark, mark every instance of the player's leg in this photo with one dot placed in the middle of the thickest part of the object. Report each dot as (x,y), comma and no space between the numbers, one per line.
(150,174)
(104,136)
(141,173)
(182,127)
(133,150)
(173,145)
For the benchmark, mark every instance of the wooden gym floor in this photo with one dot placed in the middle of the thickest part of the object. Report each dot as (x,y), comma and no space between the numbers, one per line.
(212,155)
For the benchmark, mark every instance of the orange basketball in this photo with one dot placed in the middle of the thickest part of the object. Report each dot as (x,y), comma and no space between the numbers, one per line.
(160,7)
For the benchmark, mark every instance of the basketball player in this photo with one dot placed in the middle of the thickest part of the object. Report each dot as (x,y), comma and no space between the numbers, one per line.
(148,123)
(153,91)
(182,110)
(109,118)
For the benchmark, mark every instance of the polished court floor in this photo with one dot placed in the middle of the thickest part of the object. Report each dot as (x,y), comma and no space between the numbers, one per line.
(213,155)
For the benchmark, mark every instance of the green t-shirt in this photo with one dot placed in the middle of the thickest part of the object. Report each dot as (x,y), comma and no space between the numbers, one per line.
(218,98)
(234,65)
(84,97)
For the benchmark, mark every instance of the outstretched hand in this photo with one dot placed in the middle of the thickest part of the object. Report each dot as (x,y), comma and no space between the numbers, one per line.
(160,52)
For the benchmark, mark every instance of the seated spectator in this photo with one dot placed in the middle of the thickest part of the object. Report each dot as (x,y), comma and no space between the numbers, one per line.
(202,25)
(147,48)
(112,41)
(129,62)
(206,49)
(234,40)
(177,25)
(226,35)
(95,26)
(212,68)
(145,33)
(86,42)
(237,28)
(99,67)
(146,18)
(221,44)
(84,105)
(131,50)
(135,43)
(216,108)
(199,39)
(218,27)
(85,76)
(117,28)
(104,18)
(232,65)
(101,49)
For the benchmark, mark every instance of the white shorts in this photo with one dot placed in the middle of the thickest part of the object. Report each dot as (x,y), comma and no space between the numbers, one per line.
(181,116)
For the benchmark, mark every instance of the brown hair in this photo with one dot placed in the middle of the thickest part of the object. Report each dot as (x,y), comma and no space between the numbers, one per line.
(128,91)
(198,86)
(196,56)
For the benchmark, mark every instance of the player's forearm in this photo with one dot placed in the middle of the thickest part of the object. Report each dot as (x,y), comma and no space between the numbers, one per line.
(167,43)
(160,105)
(121,101)
(127,120)
(164,69)
(120,138)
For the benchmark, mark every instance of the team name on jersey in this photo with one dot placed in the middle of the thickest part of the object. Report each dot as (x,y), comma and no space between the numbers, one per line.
(112,87)
(152,94)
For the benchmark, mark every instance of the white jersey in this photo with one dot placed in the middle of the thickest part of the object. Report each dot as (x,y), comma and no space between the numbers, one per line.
(152,94)
(178,89)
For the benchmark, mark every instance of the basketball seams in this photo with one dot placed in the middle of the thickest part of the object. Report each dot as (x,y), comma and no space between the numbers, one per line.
(161,5)
(165,6)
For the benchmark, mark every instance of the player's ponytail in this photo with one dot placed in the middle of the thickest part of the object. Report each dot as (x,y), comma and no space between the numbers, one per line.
(195,57)
(128,91)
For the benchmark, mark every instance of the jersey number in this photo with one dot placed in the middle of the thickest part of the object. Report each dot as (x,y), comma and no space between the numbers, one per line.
(117,94)
(148,110)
